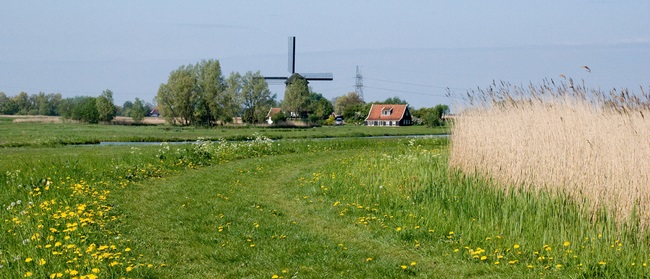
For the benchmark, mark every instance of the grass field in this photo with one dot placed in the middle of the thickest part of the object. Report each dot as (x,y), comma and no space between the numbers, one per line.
(53,134)
(348,207)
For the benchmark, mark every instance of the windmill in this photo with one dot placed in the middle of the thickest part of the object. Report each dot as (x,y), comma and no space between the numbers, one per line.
(292,68)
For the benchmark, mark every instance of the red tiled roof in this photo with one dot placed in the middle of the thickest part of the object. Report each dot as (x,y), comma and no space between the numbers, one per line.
(396,112)
(273,111)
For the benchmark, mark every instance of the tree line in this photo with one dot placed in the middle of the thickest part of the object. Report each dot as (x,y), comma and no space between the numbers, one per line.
(199,94)
(81,108)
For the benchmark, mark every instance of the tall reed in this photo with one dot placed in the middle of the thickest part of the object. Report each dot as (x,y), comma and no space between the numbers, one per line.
(561,137)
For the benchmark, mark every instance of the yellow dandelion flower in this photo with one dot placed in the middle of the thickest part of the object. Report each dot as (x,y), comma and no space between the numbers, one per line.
(95,270)
(602,263)
(275,276)
(28,260)
(368,259)
(483,258)
(42,262)
(566,243)
(28,274)
(497,262)
(399,229)
(413,263)
(516,246)
(404,267)
(128,269)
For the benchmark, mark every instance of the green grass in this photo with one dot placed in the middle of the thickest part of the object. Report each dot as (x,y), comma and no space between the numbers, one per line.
(53,134)
(351,208)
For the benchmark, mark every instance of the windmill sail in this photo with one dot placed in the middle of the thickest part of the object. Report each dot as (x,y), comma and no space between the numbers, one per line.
(292,66)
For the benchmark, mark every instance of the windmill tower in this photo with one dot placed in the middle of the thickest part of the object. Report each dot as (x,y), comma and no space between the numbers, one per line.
(292,67)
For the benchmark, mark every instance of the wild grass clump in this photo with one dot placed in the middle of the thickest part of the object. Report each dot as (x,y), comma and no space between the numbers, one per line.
(561,138)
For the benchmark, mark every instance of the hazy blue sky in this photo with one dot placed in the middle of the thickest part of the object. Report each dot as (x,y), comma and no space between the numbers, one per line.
(410,49)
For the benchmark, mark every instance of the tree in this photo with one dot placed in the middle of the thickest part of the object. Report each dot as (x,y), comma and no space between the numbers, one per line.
(83,109)
(105,107)
(7,105)
(279,118)
(256,96)
(43,104)
(320,107)
(148,107)
(357,112)
(432,116)
(231,102)
(53,100)
(345,102)
(23,103)
(126,108)
(178,98)
(394,100)
(296,96)
(195,94)
(211,91)
(137,111)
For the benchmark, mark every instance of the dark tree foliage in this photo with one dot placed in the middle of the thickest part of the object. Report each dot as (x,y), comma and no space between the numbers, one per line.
(82,109)
(319,107)
(105,106)
(432,117)
(394,100)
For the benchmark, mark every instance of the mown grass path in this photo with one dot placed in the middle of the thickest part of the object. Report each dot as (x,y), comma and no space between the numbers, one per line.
(253,219)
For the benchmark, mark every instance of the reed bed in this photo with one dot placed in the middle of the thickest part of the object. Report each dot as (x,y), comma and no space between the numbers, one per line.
(590,146)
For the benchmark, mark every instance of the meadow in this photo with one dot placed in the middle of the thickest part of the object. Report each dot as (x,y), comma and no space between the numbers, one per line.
(16,134)
(293,208)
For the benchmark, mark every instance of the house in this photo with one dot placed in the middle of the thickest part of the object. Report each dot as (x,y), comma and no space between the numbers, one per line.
(272,112)
(389,115)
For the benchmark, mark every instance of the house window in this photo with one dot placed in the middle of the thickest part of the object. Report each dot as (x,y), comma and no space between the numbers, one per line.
(386,112)
(375,123)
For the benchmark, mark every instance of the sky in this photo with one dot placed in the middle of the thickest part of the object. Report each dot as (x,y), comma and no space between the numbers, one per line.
(415,50)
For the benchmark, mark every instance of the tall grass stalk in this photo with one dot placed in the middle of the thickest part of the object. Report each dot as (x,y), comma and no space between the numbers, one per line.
(585,144)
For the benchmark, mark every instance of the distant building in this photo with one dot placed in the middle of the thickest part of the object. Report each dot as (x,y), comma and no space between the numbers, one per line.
(389,115)
(154,112)
(272,112)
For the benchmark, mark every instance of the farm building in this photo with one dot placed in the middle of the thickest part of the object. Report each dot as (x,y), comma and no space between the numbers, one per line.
(272,112)
(389,115)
